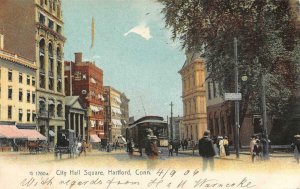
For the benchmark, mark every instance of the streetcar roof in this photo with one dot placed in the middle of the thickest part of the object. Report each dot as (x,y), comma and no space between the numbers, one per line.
(149,121)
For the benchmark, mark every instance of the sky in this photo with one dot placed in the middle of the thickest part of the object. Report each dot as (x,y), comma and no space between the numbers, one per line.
(132,47)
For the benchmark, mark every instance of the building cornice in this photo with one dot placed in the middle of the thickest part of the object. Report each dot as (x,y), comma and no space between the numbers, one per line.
(54,33)
(17,59)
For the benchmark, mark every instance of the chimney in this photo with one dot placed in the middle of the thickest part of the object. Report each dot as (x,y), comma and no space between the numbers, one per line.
(78,57)
(1,42)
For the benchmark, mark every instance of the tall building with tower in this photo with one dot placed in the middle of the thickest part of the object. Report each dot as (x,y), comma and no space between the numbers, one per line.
(193,96)
(33,29)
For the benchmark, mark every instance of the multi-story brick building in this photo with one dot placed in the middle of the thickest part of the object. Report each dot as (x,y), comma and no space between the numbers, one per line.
(17,90)
(34,29)
(113,123)
(87,83)
(193,97)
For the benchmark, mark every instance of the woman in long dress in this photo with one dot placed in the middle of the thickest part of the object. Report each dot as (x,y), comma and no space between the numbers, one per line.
(222,149)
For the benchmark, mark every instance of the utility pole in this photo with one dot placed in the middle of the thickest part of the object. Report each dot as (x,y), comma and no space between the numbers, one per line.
(171,121)
(237,111)
(264,108)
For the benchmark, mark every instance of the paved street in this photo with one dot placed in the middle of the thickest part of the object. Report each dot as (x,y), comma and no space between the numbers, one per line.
(283,162)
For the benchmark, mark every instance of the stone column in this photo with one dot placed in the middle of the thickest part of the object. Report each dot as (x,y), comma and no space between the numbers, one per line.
(74,121)
(79,125)
(69,120)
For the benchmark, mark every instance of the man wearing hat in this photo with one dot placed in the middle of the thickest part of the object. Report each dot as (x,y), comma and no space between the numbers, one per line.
(83,147)
(206,150)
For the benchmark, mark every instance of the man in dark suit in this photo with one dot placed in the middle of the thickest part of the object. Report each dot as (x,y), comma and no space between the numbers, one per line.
(206,150)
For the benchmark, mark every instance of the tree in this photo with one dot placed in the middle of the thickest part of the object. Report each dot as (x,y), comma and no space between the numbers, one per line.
(268,44)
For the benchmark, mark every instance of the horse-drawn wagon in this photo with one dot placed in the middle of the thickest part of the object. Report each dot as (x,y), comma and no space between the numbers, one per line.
(66,143)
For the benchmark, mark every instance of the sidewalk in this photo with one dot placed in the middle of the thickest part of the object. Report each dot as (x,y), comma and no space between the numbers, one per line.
(232,153)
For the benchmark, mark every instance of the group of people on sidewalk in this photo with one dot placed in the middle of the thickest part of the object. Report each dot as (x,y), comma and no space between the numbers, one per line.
(258,148)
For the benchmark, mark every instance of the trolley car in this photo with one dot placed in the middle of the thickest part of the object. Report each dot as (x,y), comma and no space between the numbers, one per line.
(66,143)
(148,125)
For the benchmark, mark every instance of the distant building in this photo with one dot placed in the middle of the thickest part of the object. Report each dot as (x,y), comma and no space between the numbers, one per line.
(124,106)
(34,30)
(17,90)
(87,83)
(114,115)
(178,132)
(193,96)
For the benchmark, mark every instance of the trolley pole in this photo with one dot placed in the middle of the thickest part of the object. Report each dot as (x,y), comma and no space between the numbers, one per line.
(171,121)
(237,111)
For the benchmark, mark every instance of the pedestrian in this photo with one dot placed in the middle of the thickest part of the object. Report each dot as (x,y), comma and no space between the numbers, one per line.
(226,145)
(170,147)
(182,144)
(186,144)
(252,144)
(296,147)
(176,146)
(83,147)
(221,147)
(153,148)
(215,140)
(258,149)
(206,151)
(130,147)
(108,147)
(193,146)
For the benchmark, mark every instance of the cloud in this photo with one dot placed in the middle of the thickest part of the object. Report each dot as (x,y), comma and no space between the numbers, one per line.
(95,57)
(142,30)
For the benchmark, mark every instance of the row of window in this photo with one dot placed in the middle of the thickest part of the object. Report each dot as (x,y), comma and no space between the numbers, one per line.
(42,20)
(10,78)
(30,116)
(52,6)
(29,97)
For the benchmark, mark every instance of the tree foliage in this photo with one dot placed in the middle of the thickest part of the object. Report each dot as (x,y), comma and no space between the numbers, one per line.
(267,44)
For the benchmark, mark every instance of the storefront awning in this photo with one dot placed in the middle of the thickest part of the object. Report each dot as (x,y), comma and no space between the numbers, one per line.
(94,139)
(11,132)
(116,110)
(33,134)
(118,100)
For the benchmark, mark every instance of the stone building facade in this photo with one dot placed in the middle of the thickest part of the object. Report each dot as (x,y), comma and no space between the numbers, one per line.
(113,121)
(34,30)
(193,96)
(17,90)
